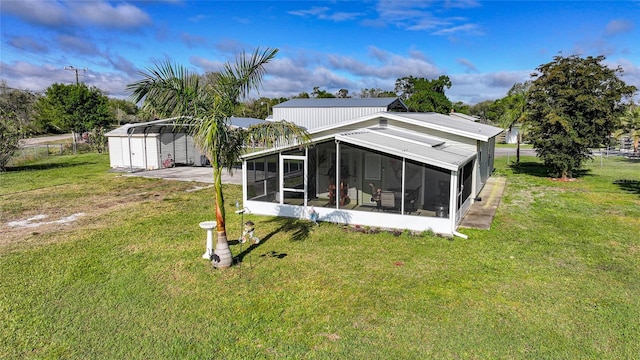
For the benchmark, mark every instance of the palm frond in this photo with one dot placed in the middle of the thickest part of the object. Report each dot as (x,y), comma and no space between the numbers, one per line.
(278,132)
(169,90)
(246,74)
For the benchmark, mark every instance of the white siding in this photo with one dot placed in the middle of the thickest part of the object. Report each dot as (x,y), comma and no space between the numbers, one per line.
(312,118)
(152,152)
(115,152)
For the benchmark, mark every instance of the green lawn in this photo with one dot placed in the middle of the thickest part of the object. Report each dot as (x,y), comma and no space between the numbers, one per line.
(557,277)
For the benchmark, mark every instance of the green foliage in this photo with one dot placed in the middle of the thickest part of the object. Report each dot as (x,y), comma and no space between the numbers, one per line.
(320,93)
(97,140)
(485,110)
(461,107)
(19,105)
(258,108)
(16,120)
(73,108)
(572,107)
(376,93)
(10,135)
(122,111)
(425,95)
(302,95)
(629,125)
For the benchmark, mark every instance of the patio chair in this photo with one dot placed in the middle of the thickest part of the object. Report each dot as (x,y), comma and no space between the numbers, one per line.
(411,199)
(387,200)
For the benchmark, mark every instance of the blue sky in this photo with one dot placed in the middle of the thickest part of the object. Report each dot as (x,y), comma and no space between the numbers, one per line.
(483,46)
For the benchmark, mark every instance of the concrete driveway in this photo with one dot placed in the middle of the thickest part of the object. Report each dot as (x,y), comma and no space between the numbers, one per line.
(191,173)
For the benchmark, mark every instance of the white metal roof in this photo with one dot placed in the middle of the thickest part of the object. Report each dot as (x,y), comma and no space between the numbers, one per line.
(156,126)
(341,102)
(440,122)
(447,157)
(404,135)
(454,125)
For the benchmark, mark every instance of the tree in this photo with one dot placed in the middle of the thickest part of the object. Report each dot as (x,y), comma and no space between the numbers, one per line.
(10,135)
(206,109)
(461,107)
(302,95)
(425,95)
(513,110)
(376,93)
(630,125)
(258,108)
(122,111)
(572,107)
(73,108)
(484,111)
(319,93)
(343,94)
(16,120)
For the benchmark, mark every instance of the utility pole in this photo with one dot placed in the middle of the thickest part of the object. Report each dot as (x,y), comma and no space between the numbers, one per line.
(73,133)
(76,70)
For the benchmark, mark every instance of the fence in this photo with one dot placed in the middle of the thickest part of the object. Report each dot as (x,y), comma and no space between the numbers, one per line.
(39,151)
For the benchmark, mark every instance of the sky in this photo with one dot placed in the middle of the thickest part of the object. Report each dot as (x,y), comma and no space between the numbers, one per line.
(484,47)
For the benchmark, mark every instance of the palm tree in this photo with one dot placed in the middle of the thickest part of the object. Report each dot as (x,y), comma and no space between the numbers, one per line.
(205,107)
(514,110)
(630,125)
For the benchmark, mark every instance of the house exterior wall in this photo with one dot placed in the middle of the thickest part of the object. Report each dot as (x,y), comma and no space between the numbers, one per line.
(372,219)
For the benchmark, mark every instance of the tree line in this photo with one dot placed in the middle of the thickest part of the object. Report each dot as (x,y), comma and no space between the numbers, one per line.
(570,105)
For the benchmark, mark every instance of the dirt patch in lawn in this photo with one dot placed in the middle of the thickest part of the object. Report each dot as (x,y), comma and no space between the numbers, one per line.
(38,216)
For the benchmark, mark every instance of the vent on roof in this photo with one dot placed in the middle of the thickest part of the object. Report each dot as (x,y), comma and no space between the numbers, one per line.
(383,122)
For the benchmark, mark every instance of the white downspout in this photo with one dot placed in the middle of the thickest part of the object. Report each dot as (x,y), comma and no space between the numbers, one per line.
(456,233)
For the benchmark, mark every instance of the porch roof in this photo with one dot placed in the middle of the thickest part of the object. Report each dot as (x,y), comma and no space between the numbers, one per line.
(431,151)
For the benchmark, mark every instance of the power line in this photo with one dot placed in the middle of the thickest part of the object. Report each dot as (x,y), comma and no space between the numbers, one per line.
(76,70)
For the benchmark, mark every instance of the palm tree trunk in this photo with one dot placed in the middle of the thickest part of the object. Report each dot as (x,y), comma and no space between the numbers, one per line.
(223,258)
(519,138)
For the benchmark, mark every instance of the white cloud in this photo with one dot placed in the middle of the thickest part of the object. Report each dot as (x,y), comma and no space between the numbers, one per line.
(471,29)
(68,13)
(324,13)
(77,45)
(103,14)
(205,64)
(192,41)
(615,27)
(47,12)
(467,64)
(29,44)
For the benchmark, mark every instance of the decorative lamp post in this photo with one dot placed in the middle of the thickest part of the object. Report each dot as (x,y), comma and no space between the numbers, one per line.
(209,226)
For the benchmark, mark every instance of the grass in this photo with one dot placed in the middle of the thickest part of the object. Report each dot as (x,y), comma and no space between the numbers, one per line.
(556,277)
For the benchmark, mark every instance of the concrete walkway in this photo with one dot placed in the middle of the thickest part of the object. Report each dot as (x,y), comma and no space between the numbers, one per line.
(481,213)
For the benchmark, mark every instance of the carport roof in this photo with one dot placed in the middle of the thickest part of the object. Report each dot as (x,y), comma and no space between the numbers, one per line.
(156,126)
